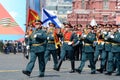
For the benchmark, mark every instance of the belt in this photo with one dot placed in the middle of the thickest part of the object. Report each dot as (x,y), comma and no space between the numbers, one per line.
(100,41)
(67,41)
(87,44)
(51,42)
(38,44)
(108,42)
(115,44)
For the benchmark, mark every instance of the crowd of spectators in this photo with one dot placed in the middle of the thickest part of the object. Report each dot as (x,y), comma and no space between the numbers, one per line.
(9,46)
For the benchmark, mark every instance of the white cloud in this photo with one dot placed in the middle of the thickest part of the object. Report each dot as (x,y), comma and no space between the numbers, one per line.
(13,14)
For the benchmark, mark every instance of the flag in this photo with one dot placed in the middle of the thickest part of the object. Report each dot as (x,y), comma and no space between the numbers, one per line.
(33,11)
(32,16)
(48,16)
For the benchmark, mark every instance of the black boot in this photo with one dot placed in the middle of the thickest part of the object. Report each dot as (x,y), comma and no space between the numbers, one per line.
(73,67)
(108,73)
(59,65)
(77,70)
(26,72)
(100,70)
(89,66)
(41,76)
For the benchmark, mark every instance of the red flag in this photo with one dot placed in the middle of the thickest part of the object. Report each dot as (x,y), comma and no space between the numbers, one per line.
(32,16)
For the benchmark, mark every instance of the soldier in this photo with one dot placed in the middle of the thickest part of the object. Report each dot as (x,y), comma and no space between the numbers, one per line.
(114,37)
(99,49)
(78,46)
(37,49)
(68,40)
(107,47)
(51,47)
(88,50)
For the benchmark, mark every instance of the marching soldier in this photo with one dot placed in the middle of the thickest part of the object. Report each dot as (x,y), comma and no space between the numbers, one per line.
(114,37)
(99,49)
(107,47)
(51,47)
(78,46)
(37,49)
(68,40)
(88,50)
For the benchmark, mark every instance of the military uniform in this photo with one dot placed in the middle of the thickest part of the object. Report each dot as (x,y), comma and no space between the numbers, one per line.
(68,40)
(115,51)
(37,49)
(51,47)
(107,49)
(88,51)
(78,46)
(99,50)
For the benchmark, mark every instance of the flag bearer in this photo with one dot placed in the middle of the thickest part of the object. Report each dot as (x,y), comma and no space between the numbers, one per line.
(37,49)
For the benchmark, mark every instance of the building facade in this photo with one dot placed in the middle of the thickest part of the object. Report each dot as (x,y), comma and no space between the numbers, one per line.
(103,11)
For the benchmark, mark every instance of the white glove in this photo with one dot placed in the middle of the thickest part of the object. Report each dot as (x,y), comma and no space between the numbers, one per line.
(47,38)
(27,47)
(106,38)
(102,43)
(78,35)
(69,43)
(84,36)
(35,35)
(94,43)
(118,29)
(76,43)
(26,36)
(105,32)
(62,42)
(83,42)
(111,36)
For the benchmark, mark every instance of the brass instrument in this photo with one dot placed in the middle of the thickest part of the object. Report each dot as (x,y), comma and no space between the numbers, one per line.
(54,34)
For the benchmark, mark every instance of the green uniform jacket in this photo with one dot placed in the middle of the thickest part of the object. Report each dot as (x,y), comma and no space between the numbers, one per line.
(90,38)
(50,42)
(40,39)
(107,43)
(115,42)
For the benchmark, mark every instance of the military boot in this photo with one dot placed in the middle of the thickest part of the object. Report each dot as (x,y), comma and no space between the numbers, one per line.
(108,73)
(73,67)
(100,70)
(26,72)
(59,65)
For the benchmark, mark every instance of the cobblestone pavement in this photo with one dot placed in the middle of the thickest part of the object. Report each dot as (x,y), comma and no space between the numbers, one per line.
(11,66)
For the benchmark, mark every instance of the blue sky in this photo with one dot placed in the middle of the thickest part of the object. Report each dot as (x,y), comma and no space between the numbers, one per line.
(17,9)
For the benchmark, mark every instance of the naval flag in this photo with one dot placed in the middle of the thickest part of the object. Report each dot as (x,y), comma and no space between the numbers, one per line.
(48,16)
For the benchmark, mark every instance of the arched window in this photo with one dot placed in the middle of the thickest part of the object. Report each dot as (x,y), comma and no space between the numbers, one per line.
(83,4)
(105,4)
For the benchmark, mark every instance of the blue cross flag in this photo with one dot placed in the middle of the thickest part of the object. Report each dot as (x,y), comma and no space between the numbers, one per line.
(48,16)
